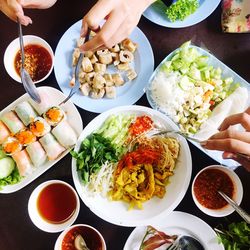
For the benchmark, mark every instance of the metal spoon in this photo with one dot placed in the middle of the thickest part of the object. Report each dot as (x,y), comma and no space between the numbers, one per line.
(186,242)
(244,215)
(28,84)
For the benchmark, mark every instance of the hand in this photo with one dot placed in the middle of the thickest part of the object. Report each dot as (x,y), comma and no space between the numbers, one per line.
(232,141)
(14,8)
(121,18)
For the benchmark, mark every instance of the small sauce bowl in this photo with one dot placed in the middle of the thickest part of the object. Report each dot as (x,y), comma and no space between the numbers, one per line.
(204,190)
(53,206)
(34,43)
(93,238)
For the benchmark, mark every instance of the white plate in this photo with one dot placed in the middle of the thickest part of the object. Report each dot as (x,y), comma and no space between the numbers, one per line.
(156,14)
(116,212)
(179,223)
(128,94)
(74,120)
(226,72)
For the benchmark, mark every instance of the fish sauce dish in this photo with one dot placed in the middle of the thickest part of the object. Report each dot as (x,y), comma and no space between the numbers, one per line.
(133,175)
(35,136)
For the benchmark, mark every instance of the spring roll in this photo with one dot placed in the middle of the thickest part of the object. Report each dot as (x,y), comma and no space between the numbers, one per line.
(65,134)
(52,148)
(39,127)
(12,122)
(25,112)
(4,132)
(54,115)
(25,137)
(23,163)
(36,153)
(11,146)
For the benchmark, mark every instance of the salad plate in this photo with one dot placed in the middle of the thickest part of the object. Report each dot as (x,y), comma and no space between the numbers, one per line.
(178,223)
(117,212)
(230,104)
(156,14)
(54,97)
(127,94)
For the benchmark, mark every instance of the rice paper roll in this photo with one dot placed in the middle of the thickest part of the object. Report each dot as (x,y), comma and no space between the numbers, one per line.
(54,115)
(13,123)
(39,127)
(36,153)
(52,147)
(25,112)
(11,146)
(23,163)
(65,134)
(4,132)
(25,137)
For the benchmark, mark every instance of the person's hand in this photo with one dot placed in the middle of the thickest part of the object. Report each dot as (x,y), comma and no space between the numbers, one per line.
(232,141)
(121,18)
(14,8)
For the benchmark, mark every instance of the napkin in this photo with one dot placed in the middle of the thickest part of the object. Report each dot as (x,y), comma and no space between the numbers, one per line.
(235,16)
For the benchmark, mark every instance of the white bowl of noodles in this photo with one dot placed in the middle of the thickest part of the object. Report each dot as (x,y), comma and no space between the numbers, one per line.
(117,212)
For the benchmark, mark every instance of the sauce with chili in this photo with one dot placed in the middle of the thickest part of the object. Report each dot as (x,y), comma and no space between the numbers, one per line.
(37,61)
(90,236)
(207,185)
(141,125)
(56,203)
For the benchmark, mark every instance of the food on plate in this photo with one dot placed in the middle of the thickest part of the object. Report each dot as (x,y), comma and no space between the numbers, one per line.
(51,146)
(4,132)
(82,237)
(13,123)
(38,61)
(56,203)
(39,127)
(11,145)
(7,166)
(93,75)
(23,163)
(188,88)
(120,161)
(206,187)
(153,239)
(54,115)
(25,137)
(36,153)
(65,134)
(235,236)
(181,9)
(25,112)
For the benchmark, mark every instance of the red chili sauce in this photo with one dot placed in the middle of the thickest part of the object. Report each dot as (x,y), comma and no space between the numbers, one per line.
(56,203)
(207,185)
(141,124)
(91,238)
(37,61)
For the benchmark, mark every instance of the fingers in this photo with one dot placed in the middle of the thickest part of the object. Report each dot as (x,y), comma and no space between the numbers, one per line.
(228,144)
(241,118)
(243,161)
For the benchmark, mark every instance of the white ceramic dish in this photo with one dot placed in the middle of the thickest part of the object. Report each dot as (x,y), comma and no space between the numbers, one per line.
(179,223)
(116,212)
(156,14)
(36,217)
(237,195)
(61,236)
(127,94)
(216,155)
(74,120)
(14,47)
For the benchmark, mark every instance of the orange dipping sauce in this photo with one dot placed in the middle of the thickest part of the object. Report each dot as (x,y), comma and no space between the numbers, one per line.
(56,203)
(37,62)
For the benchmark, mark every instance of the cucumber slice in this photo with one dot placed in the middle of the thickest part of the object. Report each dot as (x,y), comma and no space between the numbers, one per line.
(2,154)
(7,165)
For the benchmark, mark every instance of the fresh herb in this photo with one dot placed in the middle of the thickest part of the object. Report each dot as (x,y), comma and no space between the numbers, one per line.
(236,237)
(13,178)
(154,239)
(95,150)
(181,9)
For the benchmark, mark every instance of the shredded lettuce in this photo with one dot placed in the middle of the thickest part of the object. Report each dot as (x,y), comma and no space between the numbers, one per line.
(13,178)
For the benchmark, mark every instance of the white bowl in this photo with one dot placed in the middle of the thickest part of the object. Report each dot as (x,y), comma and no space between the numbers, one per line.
(58,244)
(14,47)
(237,195)
(37,219)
